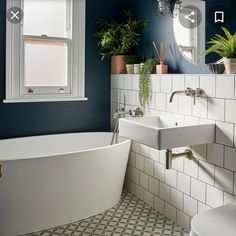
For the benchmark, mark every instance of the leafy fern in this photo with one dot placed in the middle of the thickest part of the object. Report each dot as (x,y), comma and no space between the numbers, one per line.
(223,46)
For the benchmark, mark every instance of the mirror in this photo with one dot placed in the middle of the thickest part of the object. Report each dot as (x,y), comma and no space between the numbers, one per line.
(197,22)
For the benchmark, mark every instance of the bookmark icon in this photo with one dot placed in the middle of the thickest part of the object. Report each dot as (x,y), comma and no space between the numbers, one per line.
(219,16)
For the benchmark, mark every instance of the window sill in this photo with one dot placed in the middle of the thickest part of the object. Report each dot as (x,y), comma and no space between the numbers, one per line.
(44,100)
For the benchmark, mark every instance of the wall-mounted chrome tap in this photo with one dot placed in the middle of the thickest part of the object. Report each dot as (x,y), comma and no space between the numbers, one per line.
(121,113)
(198,92)
(135,113)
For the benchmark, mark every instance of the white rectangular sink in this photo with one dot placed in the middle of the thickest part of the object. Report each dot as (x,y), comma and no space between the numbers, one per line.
(165,133)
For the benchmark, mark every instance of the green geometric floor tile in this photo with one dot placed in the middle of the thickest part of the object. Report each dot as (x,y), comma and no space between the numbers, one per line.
(131,217)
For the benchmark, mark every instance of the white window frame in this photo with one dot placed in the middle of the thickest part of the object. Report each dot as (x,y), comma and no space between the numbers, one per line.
(75,91)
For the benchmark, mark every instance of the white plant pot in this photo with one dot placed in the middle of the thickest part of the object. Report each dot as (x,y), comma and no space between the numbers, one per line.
(230,65)
(137,68)
(130,69)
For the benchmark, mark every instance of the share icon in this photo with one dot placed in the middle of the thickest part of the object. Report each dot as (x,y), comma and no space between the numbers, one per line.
(189,17)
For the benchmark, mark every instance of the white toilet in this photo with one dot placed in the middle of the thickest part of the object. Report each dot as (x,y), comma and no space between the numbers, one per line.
(220,221)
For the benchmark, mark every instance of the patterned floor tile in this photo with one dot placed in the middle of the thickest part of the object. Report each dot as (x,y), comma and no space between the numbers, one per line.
(131,217)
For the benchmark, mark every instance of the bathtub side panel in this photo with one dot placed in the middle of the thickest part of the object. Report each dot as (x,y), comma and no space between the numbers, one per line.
(37,194)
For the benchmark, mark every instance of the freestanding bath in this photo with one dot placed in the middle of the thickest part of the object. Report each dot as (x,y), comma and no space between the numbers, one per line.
(52,180)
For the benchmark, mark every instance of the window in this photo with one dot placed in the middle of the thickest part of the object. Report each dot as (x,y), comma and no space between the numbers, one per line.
(45,55)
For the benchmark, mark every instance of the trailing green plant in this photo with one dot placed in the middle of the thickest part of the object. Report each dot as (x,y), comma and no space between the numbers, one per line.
(145,85)
(131,60)
(223,46)
(119,38)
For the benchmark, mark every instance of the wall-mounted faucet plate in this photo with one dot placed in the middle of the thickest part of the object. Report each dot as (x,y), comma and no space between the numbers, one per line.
(165,133)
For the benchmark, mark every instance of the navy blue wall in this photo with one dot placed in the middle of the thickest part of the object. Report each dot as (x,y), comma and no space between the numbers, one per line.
(46,118)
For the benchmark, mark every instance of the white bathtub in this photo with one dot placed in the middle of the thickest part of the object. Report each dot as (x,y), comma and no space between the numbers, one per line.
(57,179)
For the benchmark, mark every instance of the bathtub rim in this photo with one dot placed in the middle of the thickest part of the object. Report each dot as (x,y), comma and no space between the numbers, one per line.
(124,140)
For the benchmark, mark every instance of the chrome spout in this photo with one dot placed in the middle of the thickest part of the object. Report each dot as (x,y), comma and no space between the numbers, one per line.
(175,92)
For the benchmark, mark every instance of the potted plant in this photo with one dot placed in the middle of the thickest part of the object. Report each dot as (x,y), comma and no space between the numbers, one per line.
(130,61)
(161,54)
(118,39)
(145,86)
(225,47)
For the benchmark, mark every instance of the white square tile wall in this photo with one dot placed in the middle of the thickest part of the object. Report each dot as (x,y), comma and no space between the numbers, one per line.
(183,220)
(206,172)
(215,154)
(200,108)
(165,191)
(225,133)
(184,183)
(172,106)
(156,83)
(153,186)
(224,180)
(214,196)
(230,111)
(225,87)
(190,205)
(185,105)
(170,211)
(207,83)
(192,186)
(166,84)
(216,109)
(230,159)
(171,177)
(159,204)
(191,81)
(178,82)
(177,198)
(198,190)
(229,199)
(160,101)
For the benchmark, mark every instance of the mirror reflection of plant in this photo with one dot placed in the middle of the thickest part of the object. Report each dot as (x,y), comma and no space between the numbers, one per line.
(223,46)
(145,85)
(119,38)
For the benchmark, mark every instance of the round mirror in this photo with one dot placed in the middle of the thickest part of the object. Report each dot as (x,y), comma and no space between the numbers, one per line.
(196,22)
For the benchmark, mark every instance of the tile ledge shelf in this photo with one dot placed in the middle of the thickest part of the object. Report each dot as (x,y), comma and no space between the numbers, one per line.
(215,75)
(26,100)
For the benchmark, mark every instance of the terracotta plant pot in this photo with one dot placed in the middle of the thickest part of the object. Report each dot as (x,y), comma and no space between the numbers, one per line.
(118,64)
(230,65)
(162,68)
(130,68)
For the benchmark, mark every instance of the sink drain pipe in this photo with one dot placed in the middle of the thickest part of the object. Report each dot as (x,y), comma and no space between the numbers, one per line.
(170,156)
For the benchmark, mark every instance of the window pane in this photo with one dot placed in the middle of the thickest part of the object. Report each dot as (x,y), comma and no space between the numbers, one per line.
(45,63)
(45,17)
